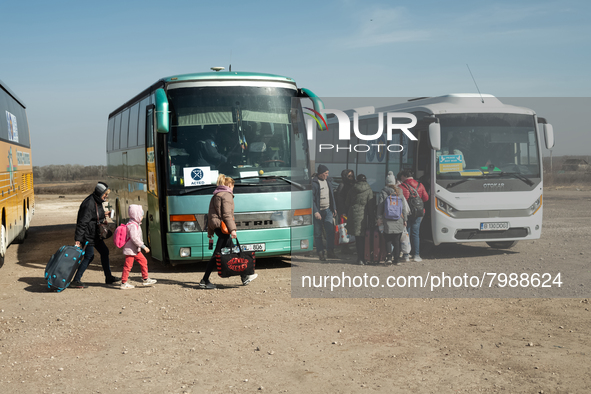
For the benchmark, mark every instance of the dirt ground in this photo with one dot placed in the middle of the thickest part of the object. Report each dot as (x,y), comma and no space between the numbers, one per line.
(176,338)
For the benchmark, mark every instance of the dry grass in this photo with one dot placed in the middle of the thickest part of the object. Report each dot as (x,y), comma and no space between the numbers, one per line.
(79,187)
(561,178)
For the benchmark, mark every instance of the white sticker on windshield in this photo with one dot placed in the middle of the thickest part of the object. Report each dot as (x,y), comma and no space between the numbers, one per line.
(196,176)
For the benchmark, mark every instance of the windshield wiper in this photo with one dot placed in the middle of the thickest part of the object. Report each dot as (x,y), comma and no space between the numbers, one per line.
(276,177)
(522,178)
(204,187)
(450,185)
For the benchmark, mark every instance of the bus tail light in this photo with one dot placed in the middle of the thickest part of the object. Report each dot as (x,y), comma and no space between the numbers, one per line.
(301,217)
(184,224)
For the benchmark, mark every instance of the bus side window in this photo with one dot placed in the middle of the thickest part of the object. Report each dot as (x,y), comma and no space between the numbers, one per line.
(117,132)
(124,129)
(141,137)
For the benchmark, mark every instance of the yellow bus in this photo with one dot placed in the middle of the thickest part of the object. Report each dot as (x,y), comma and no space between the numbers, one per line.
(17,200)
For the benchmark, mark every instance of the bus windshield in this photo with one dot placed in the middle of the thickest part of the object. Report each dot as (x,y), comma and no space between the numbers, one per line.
(240,131)
(487,145)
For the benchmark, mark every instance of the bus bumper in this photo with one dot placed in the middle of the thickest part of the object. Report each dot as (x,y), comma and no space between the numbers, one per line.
(280,241)
(447,229)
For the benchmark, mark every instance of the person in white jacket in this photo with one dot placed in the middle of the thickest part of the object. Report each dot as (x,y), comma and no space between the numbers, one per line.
(133,248)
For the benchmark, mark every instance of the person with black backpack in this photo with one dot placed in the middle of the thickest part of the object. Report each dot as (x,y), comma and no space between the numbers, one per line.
(416,197)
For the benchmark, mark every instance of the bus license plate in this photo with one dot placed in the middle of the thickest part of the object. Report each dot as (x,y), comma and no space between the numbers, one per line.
(494,226)
(253,247)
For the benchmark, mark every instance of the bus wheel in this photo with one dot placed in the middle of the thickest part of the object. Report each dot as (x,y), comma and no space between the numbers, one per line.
(3,245)
(117,219)
(20,238)
(502,244)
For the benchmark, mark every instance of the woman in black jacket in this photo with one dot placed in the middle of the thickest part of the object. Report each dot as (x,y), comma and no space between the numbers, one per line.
(90,214)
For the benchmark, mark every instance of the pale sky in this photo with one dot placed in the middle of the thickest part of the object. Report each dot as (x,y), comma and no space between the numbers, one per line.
(73,62)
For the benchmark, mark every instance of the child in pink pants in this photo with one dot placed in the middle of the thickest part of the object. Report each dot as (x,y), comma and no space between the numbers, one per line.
(133,248)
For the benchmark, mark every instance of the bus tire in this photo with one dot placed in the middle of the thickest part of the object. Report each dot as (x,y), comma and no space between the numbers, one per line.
(20,238)
(3,245)
(118,219)
(502,244)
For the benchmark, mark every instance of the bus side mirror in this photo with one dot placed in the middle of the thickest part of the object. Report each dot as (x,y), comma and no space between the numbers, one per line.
(162,112)
(549,135)
(317,103)
(435,135)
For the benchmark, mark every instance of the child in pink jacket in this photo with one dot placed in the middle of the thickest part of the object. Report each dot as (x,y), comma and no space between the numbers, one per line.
(133,248)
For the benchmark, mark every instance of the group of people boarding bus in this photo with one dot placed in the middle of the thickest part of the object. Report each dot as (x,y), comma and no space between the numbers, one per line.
(396,209)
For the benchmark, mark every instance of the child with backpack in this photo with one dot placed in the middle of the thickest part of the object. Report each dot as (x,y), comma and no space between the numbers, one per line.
(130,237)
(392,213)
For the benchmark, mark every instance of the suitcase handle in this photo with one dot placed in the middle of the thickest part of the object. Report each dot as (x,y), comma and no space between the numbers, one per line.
(84,248)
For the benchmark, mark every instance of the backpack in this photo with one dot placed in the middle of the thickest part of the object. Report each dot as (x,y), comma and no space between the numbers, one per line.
(121,237)
(392,207)
(415,203)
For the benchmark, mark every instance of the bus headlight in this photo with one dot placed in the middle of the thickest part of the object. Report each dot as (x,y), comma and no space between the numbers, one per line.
(535,206)
(444,207)
(184,224)
(189,227)
(185,252)
(301,217)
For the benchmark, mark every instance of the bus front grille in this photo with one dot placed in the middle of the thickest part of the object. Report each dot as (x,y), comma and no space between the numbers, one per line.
(474,234)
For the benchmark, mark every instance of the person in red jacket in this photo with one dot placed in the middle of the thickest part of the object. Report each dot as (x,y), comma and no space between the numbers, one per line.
(409,186)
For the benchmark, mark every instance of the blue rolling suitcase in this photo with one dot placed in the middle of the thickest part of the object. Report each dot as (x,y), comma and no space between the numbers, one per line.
(62,265)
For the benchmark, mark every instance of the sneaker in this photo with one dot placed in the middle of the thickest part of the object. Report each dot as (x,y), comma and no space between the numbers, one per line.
(332,255)
(76,284)
(126,286)
(249,278)
(406,258)
(418,258)
(112,279)
(206,285)
(322,255)
(148,281)
(360,262)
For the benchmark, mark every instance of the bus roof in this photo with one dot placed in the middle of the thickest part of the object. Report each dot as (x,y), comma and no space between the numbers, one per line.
(11,94)
(207,76)
(457,103)
(227,75)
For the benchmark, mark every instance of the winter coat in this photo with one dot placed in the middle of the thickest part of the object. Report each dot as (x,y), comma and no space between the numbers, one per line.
(135,243)
(392,226)
(343,189)
(221,207)
(358,208)
(86,222)
(316,195)
(417,186)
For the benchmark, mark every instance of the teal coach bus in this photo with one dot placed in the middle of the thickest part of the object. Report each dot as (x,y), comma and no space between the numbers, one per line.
(168,144)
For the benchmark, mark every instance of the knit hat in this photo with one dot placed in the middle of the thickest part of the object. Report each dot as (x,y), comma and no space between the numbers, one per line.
(390,178)
(322,169)
(100,188)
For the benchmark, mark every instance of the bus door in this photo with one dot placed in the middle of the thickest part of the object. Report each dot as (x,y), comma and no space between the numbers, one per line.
(124,204)
(153,215)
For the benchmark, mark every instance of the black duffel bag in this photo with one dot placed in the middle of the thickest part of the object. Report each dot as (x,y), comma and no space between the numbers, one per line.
(234,264)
